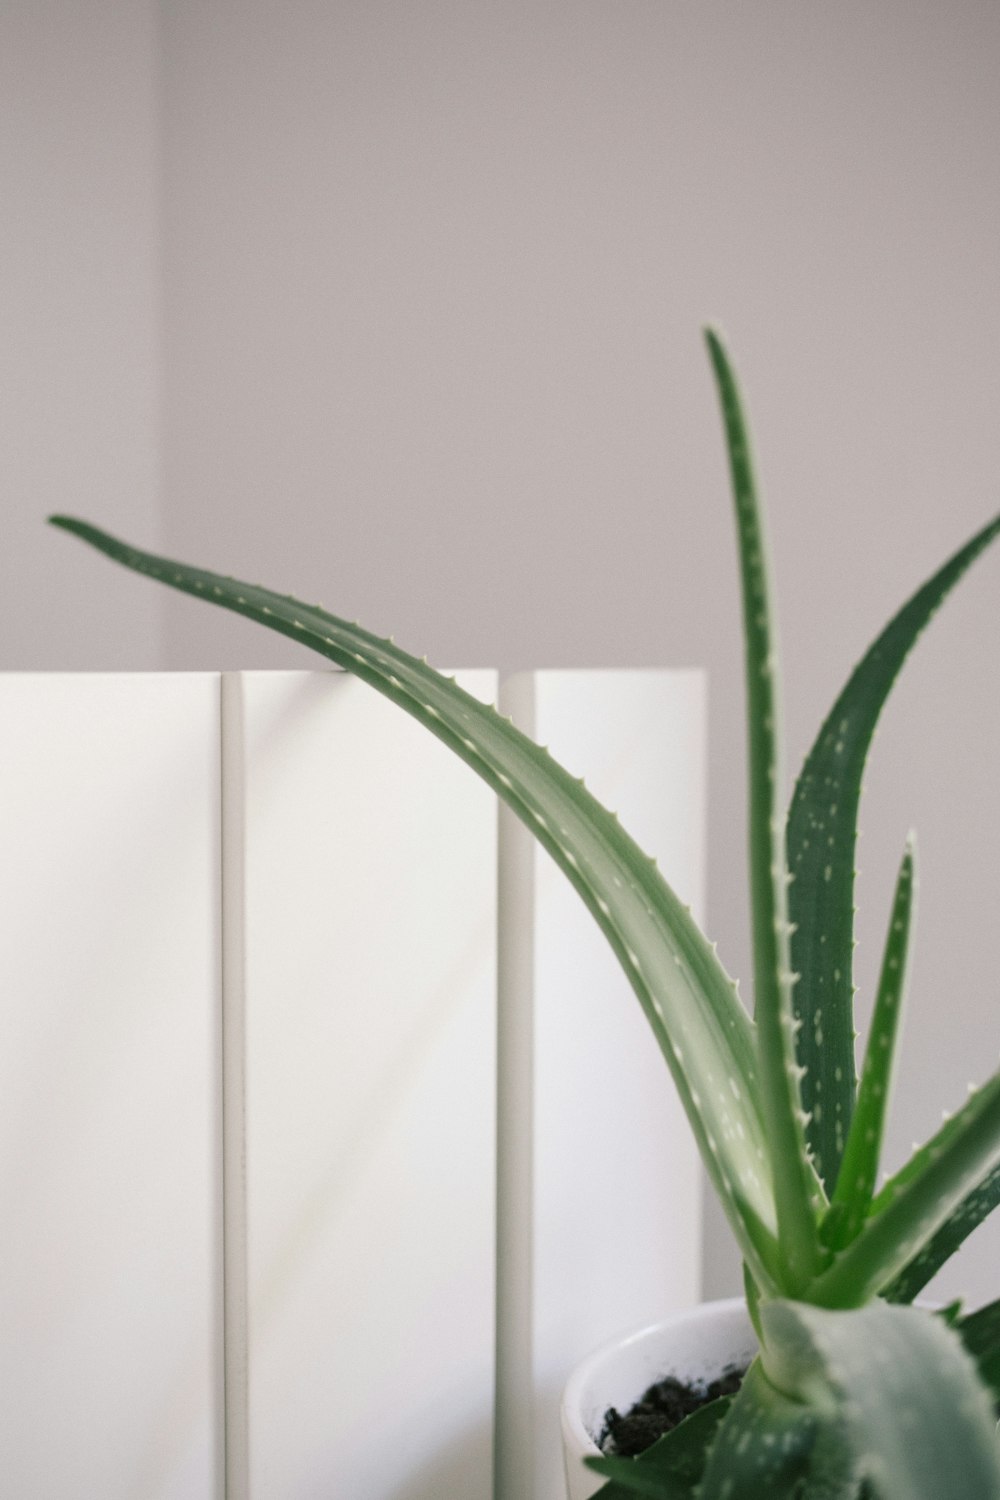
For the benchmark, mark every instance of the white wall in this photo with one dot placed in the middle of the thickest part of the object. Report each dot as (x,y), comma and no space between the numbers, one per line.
(432,281)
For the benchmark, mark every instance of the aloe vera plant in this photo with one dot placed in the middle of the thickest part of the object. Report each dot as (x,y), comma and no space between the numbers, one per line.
(855,1394)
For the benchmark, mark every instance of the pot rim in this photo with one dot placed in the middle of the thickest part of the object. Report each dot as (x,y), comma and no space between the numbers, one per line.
(579,1381)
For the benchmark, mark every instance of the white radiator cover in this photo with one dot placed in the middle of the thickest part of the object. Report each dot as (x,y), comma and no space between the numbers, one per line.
(264,1237)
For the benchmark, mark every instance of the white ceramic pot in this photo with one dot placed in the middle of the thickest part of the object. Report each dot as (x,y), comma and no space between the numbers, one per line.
(697,1345)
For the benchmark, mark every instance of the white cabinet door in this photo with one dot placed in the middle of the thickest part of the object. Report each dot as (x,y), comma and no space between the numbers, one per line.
(110,1253)
(253,931)
(369,982)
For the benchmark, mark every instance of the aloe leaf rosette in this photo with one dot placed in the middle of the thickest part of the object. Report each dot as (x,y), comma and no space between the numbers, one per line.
(852,1398)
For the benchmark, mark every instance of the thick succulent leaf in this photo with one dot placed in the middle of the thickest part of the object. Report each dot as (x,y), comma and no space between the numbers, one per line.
(795,1185)
(689,1000)
(632,1476)
(751,1292)
(775,1447)
(916,1420)
(673,1466)
(968,1215)
(822,834)
(763,1447)
(918,1203)
(859,1168)
(914,1204)
(980,1333)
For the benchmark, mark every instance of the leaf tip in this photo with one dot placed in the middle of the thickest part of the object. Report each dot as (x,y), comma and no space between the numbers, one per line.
(712,336)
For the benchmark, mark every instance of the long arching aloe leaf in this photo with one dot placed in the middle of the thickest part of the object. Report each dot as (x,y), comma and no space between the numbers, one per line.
(690,1002)
(822,833)
(794,1182)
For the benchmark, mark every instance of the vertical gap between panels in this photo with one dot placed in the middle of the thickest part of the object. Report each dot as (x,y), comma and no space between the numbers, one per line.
(514,1416)
(234,1218)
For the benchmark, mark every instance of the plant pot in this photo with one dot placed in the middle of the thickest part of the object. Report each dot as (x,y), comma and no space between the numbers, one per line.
(698,1345)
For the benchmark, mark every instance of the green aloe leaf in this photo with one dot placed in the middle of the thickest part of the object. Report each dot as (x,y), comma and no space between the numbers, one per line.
(966,1217)
(751,1292)
(673,1466)
(689,1000)
(859,1168)
(980,1333)
(822,834)
(766,1446)
(633,1476)
(915,1204)
(795,1186)
(912,1413)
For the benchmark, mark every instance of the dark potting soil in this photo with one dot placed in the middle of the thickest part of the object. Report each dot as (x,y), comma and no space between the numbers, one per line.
(660,1410)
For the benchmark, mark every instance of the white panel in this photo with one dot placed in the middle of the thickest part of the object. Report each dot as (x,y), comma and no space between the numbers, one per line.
(595,1153)
(369,1097)
(110,1256)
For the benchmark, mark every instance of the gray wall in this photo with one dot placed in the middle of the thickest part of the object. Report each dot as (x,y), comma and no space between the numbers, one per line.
(80,320)
(419,288)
